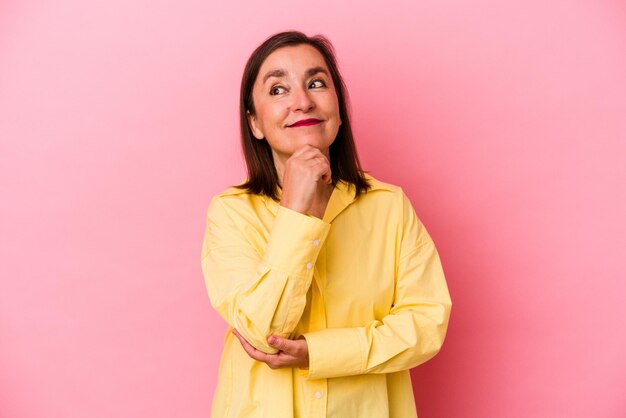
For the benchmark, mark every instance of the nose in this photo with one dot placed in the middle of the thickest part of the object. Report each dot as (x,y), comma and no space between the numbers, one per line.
(302,100)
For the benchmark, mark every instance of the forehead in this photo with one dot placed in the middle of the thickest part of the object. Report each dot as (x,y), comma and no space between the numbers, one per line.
(292,59)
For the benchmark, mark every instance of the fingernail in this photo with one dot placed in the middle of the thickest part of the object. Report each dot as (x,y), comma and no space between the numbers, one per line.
(272,340)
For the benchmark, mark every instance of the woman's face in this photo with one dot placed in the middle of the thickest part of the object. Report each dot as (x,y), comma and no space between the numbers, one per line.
(295,102)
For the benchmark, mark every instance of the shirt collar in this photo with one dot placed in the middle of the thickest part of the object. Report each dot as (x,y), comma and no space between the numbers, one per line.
(343,196)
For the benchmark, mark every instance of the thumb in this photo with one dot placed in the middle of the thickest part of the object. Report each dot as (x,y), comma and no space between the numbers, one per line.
(278,342)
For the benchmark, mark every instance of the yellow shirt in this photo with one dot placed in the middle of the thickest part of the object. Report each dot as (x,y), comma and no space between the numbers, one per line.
(364,286)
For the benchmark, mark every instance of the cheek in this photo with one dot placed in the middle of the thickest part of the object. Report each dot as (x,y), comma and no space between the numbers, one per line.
(332,104)
(271,115)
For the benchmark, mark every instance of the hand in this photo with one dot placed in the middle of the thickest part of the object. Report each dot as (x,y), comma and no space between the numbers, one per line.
(293,353)
(305,174)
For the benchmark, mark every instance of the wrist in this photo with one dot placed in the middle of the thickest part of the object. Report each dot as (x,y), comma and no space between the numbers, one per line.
(293,206)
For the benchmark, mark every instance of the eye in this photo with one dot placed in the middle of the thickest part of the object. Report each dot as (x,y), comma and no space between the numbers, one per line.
(276,90)
(317,84)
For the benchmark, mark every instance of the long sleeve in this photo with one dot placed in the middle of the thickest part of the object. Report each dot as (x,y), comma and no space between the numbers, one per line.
(411,333)
(260,288)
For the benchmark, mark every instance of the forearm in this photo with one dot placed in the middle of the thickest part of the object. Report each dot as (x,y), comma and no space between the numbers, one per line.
(412,332)
(263,293)
(399,342)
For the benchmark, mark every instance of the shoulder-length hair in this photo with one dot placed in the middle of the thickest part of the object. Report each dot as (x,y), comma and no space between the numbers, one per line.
(344,161)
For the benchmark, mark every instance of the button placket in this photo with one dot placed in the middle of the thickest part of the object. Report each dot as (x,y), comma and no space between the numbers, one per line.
(319,395)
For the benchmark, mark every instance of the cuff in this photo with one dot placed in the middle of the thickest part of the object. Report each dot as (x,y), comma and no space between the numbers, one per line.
(295,241)
(335,352)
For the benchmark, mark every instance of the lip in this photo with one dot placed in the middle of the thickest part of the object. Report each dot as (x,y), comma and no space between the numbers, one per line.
(304,122)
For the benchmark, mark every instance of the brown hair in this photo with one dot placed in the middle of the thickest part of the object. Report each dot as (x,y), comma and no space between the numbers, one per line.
(344,161)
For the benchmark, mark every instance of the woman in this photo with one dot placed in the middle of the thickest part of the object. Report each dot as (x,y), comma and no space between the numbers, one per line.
(331,285)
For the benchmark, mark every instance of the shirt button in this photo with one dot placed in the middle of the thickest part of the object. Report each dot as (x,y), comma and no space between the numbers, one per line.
(316,242)
(309,266)
(318,394)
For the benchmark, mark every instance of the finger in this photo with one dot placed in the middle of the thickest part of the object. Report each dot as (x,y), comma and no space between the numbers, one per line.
(309,158)
(237,334)
(275,341)
(318,166)
(283,344)
(327,175)
(322,170)
(243,341)
(293,353)
(253,352)
(248,348)
(274,361)
(308,152)
(316,153)
(303,150)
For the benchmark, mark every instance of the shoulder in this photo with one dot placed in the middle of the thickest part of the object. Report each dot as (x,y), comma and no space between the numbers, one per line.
(382,201)
(379,185)
(232,192)
(395,201)
(235,195)
(380,190)
(233,202)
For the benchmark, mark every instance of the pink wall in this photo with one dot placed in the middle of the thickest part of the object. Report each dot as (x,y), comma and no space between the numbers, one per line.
(503,120)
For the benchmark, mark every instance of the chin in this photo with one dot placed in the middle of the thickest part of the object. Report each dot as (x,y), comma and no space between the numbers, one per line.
(320,143)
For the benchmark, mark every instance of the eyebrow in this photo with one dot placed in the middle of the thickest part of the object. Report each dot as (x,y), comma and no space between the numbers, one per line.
(274,73)
(281,73)
(315,70)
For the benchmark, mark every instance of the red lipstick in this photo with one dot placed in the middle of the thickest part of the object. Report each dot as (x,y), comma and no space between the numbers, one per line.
(305,122)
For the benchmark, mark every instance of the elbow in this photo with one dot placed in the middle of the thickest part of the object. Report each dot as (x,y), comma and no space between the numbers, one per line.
(237,319)
(431,335)
(427,348)
(255,337)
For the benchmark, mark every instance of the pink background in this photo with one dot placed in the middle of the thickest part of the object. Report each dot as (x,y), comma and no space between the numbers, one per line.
(504,121)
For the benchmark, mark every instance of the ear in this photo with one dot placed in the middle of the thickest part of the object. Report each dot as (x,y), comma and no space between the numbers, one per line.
(252,122)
